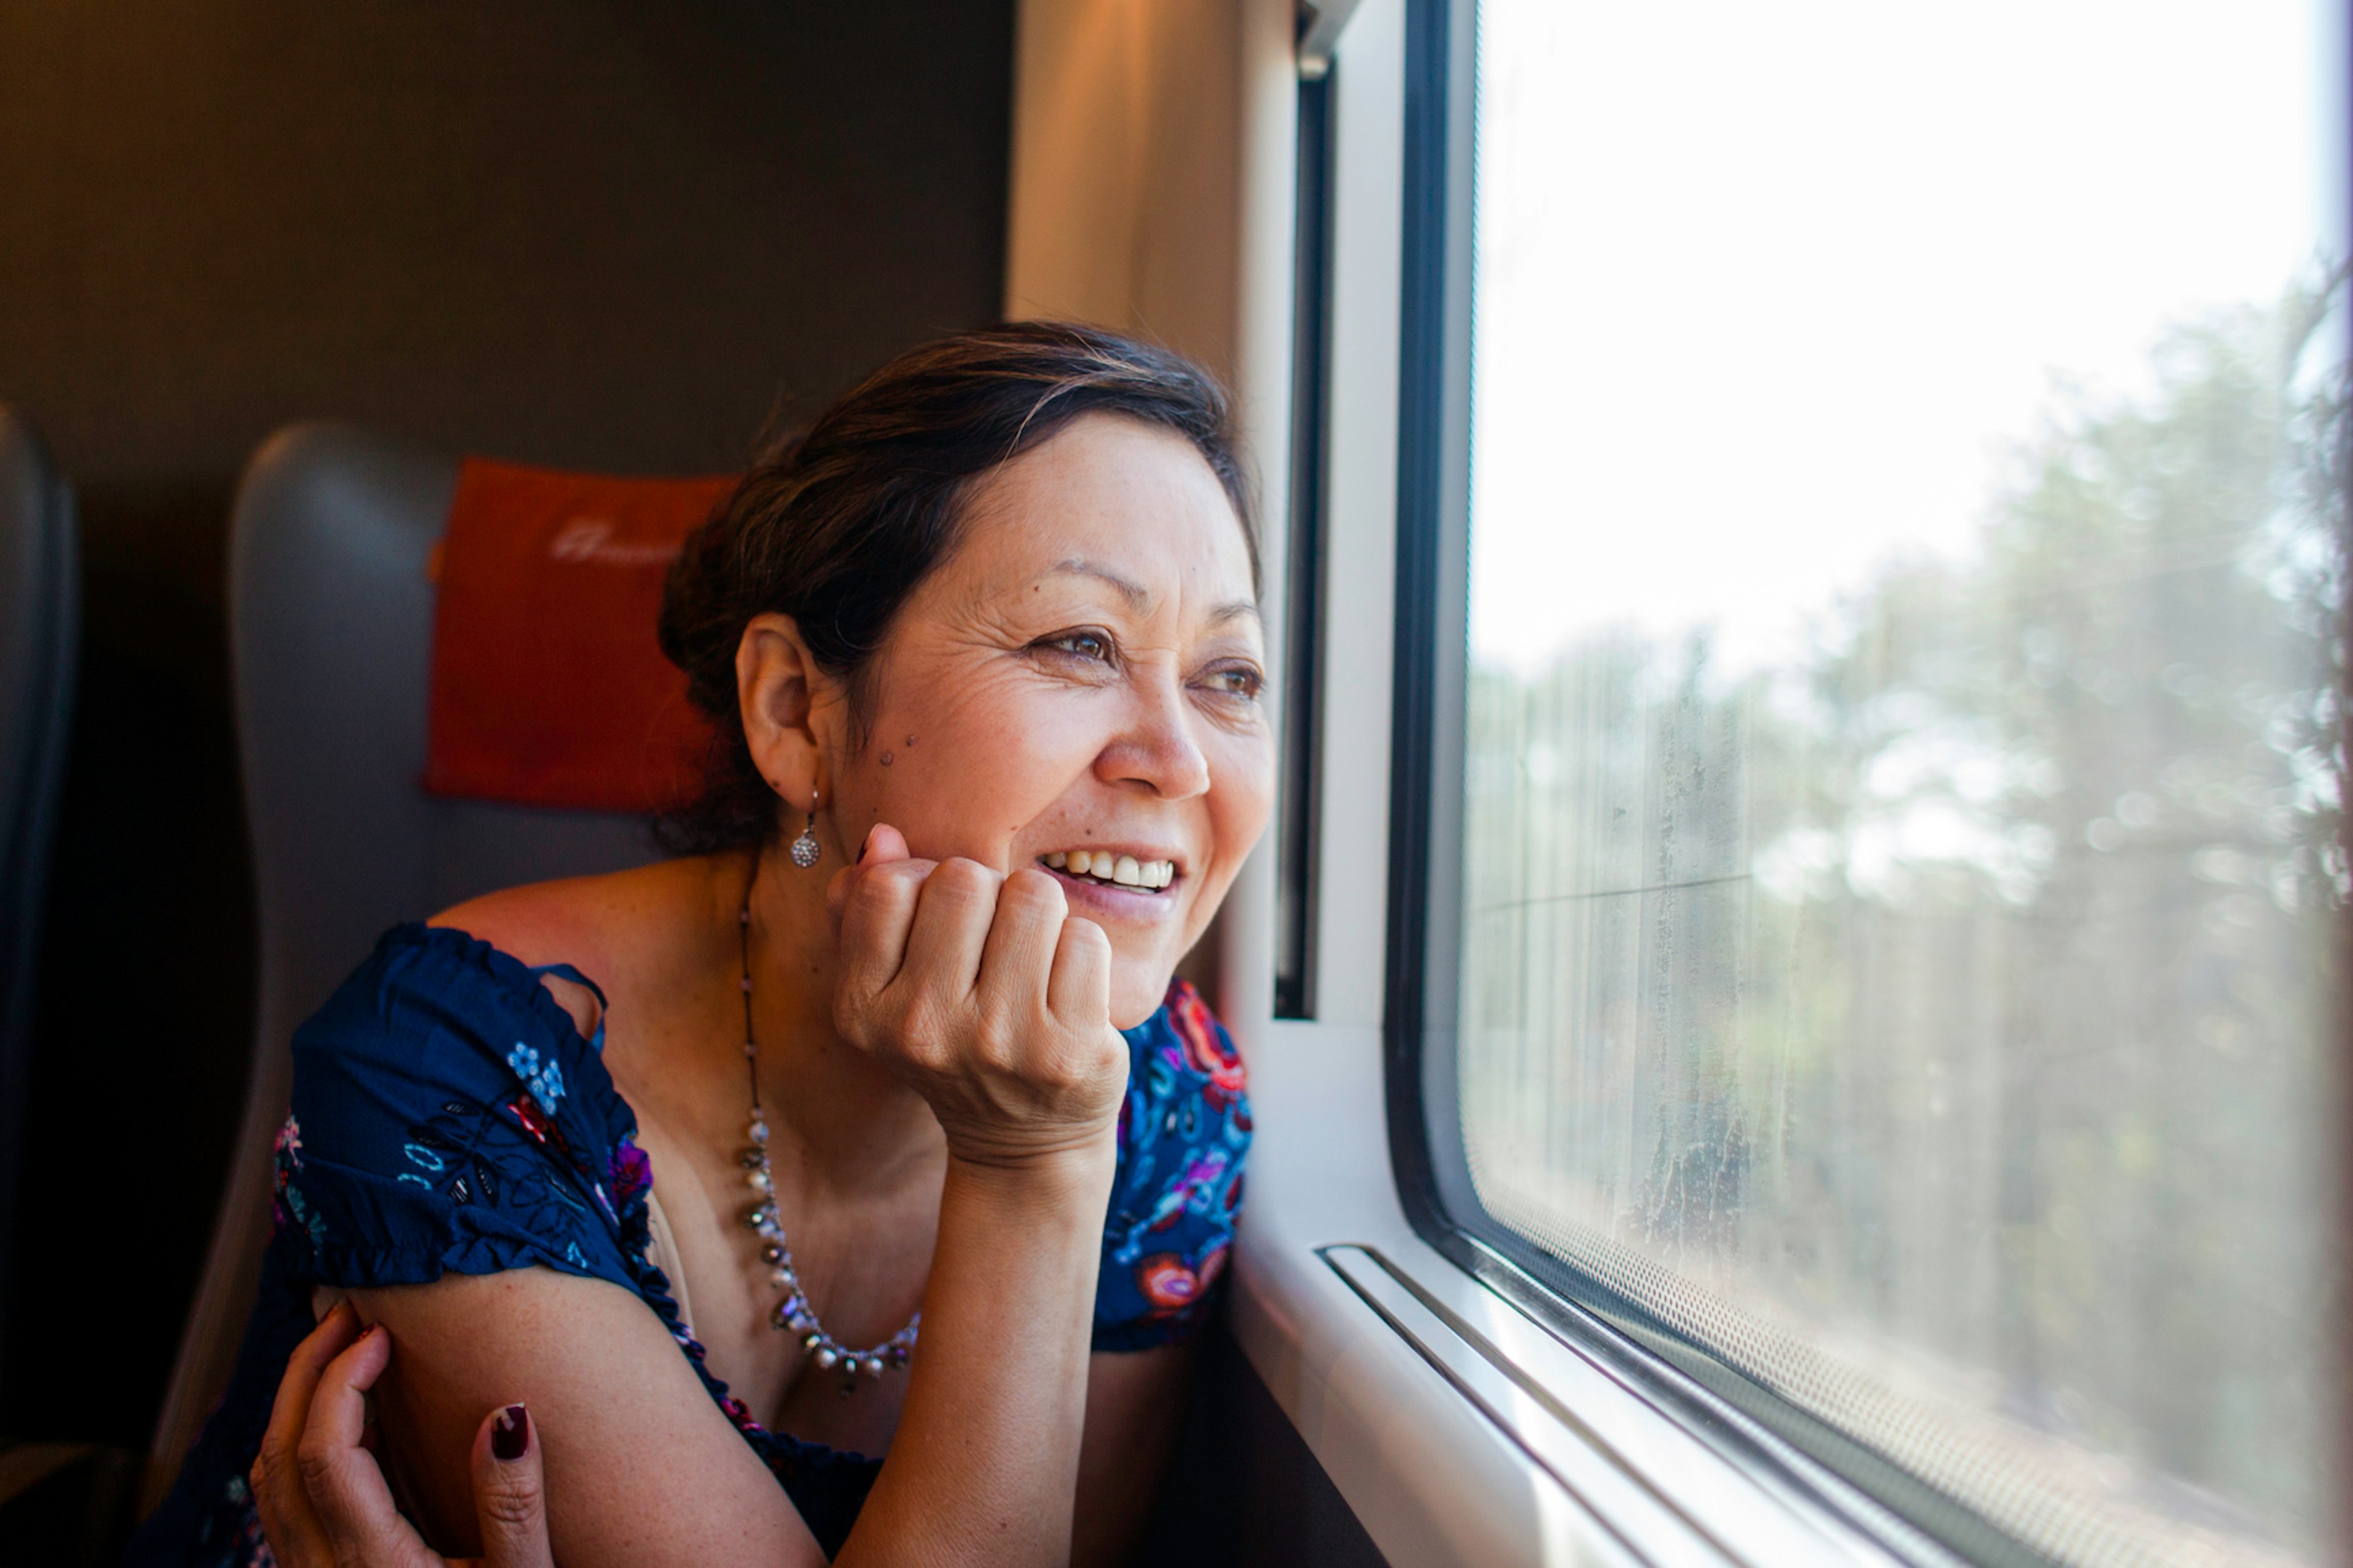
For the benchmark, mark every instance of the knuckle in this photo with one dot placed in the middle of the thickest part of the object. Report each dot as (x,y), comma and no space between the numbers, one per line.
(849,1020)
(923,1028)
(1031,889)
(881,890)
(963,879)
(996,1041)
(1071,1070)
(515,1504)
(318,1463)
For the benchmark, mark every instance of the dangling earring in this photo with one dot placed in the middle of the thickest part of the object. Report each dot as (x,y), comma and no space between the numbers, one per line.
(804,849)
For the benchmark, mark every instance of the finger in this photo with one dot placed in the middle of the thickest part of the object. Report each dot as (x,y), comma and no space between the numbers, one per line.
(1020,953)
(885,844)
(345,1487)
(875,926)
(1078,992)
(509,1491)
(287,1520)
(953,914)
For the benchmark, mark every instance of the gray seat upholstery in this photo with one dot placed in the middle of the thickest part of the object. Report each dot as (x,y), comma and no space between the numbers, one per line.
(40,616)
(331,615)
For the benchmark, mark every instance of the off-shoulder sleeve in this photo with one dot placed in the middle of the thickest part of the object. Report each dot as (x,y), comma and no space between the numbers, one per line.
(449,1117)
(1184,1132)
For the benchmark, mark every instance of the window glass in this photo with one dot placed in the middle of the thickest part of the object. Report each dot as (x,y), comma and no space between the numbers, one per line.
(1901,847)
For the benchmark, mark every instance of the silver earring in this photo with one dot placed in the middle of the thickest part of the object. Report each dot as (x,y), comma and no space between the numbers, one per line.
(804,849)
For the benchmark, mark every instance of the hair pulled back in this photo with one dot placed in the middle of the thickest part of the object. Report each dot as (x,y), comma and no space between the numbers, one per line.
(838,527)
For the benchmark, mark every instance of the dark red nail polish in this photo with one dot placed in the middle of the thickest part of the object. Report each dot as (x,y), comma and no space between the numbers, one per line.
(868,848)
(511,1435)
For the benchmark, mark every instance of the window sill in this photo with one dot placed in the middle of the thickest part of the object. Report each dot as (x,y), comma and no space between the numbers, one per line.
(1458,1428)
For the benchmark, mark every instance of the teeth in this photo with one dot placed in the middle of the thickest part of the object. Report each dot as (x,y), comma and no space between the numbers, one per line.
(1126,871)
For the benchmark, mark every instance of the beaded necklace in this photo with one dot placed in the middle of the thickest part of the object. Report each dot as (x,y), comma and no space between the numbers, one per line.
(794,1314)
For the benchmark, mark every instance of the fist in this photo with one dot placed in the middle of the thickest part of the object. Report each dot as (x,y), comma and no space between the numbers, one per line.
(987,995)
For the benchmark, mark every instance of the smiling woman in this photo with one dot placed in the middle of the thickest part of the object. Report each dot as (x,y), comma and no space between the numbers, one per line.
(985,645)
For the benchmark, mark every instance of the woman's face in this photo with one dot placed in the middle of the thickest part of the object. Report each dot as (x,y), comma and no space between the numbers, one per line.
(1081,678)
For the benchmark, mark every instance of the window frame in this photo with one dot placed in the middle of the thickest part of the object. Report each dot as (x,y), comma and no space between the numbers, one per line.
(1774,1442)
(1298,824)
(1458,1424)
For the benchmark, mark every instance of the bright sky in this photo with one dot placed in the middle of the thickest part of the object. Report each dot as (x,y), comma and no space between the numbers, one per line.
(1764,291)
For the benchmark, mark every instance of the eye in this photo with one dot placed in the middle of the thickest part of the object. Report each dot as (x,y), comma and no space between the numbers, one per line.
(1094,647)
(1242,680)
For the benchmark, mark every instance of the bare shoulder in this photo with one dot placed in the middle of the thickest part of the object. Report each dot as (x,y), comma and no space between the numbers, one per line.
(627,931)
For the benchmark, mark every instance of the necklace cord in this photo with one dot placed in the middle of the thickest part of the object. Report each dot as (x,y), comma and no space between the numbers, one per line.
(794,1313)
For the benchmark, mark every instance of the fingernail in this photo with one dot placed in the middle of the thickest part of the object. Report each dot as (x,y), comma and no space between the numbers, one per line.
(868,848)
(512,1436)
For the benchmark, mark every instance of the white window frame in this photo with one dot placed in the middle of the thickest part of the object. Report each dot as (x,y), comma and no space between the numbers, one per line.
(1460,1425)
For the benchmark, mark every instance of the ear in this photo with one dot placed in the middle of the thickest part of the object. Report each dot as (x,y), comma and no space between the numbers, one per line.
(780,692)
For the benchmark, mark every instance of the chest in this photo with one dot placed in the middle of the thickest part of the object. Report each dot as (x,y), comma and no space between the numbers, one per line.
(861,1251)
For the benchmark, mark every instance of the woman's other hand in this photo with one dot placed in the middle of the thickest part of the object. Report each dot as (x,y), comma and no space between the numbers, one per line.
(322,1499)
(985,993)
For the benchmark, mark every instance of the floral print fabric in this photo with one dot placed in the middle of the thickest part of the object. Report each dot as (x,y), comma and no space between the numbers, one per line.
(449,1117)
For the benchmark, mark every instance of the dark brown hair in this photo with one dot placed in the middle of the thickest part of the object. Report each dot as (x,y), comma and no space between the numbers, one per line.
(838,527)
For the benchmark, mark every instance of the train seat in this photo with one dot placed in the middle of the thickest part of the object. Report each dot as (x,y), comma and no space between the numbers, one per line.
(331,608)
(40,615)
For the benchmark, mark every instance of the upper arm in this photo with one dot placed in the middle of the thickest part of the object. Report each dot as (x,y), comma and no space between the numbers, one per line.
(1135,1402)
(641,1468)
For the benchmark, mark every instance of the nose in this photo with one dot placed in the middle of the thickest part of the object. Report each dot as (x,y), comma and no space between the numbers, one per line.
(1156,747)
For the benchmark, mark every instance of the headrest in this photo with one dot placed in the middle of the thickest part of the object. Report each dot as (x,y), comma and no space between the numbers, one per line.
(548,687)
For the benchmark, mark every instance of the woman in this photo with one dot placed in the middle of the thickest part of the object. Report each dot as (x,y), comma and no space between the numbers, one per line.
(670,1159)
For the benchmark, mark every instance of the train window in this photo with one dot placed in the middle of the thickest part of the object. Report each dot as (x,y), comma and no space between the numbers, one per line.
(1883,855)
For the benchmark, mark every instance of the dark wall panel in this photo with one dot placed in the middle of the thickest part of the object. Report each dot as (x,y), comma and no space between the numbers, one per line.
(590,233)
(1244,1490)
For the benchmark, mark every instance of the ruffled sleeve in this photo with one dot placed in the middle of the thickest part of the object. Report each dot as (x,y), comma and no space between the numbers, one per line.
(448,1117)
(1184,1133)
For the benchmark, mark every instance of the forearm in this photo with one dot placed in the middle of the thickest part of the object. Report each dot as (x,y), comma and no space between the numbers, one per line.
(984,1464)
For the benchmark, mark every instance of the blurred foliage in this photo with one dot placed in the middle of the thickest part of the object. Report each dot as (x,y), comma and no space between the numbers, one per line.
(1958,994)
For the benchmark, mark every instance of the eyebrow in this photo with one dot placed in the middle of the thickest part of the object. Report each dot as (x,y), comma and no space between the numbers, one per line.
(1139,598)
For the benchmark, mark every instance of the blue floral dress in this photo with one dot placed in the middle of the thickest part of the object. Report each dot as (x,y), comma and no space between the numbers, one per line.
(448,1116)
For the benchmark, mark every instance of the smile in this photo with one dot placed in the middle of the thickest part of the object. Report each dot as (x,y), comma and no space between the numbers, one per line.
(1107,866)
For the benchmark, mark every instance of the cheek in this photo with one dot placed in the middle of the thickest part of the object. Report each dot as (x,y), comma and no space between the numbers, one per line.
(1241,794)
(1240,803)
(962,765)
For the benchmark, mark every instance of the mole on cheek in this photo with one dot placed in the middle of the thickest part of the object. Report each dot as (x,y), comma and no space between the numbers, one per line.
(887,759)
(910,742)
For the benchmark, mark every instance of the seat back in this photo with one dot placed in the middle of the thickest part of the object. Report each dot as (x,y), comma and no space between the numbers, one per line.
(331,613)
(40,617)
